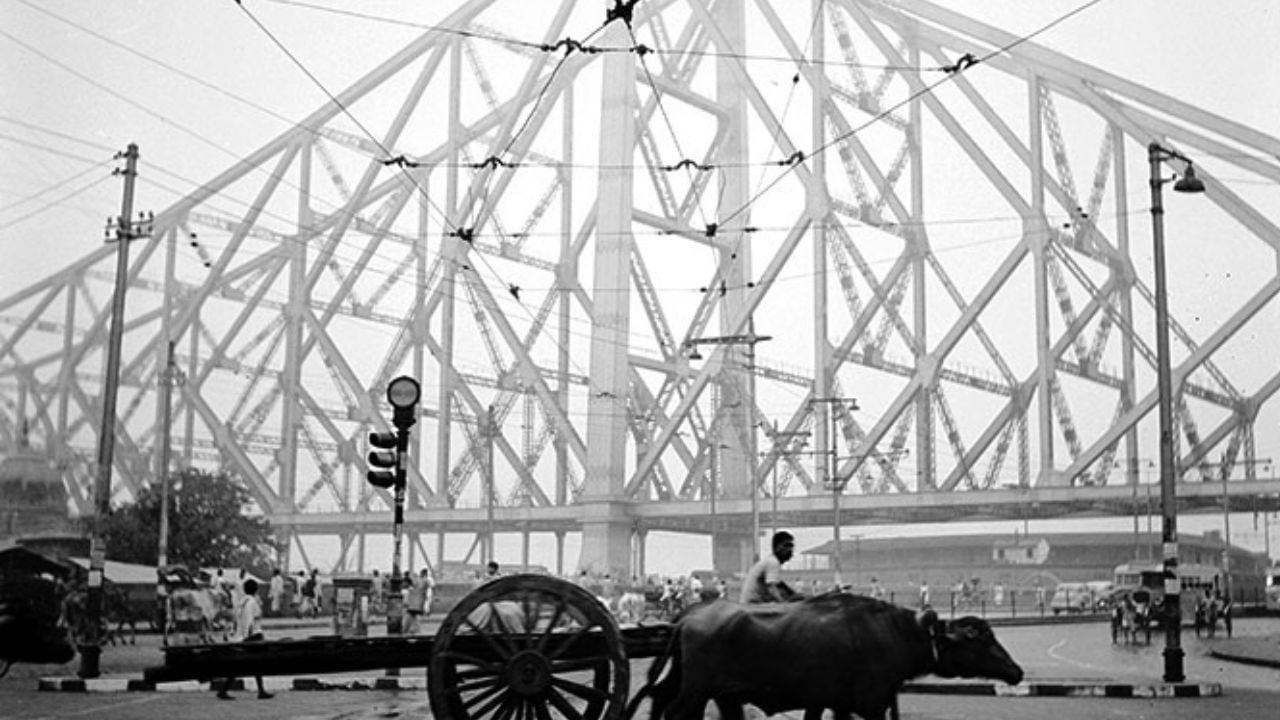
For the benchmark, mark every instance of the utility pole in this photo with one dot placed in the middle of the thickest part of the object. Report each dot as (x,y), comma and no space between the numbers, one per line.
(125,230)
(750,339)
(490,431)
(833,471)
(786,437)
(170,378)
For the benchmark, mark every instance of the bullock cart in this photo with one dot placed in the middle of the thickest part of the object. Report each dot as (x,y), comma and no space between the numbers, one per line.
(521,646)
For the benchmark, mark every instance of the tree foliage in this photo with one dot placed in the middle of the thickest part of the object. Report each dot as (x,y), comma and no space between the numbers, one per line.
(208,525)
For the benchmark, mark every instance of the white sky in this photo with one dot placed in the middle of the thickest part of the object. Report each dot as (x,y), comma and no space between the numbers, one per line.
(69,99)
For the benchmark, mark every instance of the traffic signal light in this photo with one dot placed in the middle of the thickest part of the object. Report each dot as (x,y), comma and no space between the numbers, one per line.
(388,457)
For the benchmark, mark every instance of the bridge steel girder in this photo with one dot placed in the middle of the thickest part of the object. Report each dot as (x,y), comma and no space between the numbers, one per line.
(285,367)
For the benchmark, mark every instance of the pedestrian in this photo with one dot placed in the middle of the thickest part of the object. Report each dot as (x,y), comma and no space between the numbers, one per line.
(295,594)
(247,628)
(1224,609)
(275,593)
(413,602)
(924,594)
(877,590)
(428,595)
(667,599)
(375,590)
(763,582)
(308,607)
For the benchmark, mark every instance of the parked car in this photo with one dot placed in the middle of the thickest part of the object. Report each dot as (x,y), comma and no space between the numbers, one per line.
(1100,594)
(1071,597)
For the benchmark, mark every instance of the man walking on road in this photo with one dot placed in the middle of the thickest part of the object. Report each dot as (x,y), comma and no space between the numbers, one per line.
(247,629)
(276,593)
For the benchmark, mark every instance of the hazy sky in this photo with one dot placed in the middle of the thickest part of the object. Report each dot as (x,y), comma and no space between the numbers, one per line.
(75,87)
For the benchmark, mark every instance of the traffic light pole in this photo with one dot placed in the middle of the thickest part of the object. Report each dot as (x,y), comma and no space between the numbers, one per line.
(403,393)
(395,601)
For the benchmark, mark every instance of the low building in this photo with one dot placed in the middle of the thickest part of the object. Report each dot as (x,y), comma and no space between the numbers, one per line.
(33,499)
(1017,563)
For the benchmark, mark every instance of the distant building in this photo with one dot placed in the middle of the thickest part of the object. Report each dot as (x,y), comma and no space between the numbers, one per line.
(33,499)
(1016,562)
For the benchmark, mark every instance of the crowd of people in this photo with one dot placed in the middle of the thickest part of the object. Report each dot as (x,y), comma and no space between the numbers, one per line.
(1212,605)
(631,599)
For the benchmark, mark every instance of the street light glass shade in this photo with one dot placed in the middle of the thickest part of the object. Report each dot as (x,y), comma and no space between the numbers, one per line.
(1189,183)
(404,392)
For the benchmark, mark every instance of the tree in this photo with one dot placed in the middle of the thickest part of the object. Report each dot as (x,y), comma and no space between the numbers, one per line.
(208,525)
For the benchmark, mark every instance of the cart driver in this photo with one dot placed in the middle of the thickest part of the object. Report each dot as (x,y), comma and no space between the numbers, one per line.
(763,582)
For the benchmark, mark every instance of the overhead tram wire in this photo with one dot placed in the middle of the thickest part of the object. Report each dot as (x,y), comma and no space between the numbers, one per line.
(685,163)
(462,233)
(46,148)
(55,186)
(446,221)
(170,68)
(55,133)
(54,203)
(569,46)
(287,221)
(133,103)
(528,44)
(964,63)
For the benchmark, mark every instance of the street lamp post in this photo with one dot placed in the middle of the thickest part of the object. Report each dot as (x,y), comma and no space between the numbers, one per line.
(1188,182)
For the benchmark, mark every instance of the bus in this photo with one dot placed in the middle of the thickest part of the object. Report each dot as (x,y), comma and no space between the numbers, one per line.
(1194,578)
(1273,589)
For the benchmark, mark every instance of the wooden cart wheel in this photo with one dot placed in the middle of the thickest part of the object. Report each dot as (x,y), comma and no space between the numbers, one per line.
(528,647)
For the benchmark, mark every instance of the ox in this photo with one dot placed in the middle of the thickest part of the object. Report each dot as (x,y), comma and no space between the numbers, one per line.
(848,653)
(631,607)
(198,613)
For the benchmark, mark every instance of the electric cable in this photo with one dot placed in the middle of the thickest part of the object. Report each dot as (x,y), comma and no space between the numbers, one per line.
(55,186)
(54,203)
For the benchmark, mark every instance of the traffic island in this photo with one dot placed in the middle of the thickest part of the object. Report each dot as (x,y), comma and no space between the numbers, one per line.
(1067,688)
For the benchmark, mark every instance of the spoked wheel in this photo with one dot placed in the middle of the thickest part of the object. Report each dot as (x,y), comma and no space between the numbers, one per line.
(528,647)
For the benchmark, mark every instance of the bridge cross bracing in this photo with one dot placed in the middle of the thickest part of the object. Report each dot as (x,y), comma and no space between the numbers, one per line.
(535,230)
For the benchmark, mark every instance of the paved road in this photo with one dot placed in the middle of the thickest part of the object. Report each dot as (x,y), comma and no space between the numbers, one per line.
(1086,651)
(1081,651)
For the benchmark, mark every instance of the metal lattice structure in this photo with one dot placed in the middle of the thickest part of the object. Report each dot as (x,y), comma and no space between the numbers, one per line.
(539,228)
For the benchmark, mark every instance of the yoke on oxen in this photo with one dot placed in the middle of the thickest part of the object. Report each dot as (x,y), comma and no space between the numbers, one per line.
(846,653)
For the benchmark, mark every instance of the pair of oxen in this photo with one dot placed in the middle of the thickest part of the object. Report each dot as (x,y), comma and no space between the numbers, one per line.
(846,653)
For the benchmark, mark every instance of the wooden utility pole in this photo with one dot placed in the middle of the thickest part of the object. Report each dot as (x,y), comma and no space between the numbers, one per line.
(126,229)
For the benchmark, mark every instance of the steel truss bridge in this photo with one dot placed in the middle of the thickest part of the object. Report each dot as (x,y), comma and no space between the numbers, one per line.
(919,210)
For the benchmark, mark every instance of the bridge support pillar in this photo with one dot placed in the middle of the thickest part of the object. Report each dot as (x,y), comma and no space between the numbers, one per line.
(606,539)
(731,552)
